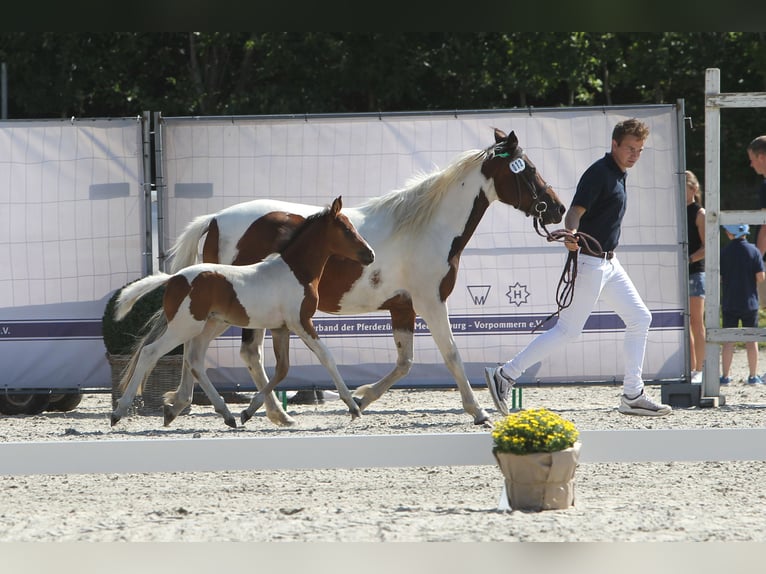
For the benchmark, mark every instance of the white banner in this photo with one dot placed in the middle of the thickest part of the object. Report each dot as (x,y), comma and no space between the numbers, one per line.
(508,274)
(71,231)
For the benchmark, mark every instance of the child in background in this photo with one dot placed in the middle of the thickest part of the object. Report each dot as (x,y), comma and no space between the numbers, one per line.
(741,271)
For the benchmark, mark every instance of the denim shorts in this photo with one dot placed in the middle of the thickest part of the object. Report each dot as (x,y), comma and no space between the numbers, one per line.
(697,284)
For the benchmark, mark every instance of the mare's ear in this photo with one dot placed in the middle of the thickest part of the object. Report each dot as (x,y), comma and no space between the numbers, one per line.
(512,139)
(337,205)
(499,135)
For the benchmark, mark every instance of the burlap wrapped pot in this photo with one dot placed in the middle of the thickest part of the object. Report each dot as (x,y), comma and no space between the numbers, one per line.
(540,480)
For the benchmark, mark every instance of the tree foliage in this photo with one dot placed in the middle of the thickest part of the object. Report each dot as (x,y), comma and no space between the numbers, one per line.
(118,74)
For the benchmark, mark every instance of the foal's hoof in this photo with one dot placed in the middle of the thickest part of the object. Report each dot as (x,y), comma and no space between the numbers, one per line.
(168,416)
(115,419)
(244,416)
(231,422)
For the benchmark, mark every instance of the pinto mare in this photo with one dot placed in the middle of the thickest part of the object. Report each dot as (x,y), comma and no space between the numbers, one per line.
(279,293)
(418,234)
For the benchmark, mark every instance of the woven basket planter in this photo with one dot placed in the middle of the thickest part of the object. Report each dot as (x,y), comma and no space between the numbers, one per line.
(165,377)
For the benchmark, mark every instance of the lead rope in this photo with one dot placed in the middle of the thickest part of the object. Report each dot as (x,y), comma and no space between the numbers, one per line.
(565,287)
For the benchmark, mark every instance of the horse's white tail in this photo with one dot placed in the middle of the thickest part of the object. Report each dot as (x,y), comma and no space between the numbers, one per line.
(184,251)
(134,291)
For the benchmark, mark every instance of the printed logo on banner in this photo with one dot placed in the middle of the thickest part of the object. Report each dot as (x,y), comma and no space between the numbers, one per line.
(517,294)
(479,293)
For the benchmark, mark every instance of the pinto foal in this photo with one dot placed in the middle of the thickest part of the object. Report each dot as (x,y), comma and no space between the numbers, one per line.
(279,293)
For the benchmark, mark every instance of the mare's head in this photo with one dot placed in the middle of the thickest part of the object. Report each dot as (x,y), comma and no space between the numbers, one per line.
(517,182)
(342,237)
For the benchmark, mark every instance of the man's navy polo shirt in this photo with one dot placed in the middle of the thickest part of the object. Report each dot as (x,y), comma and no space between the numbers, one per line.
(601,191)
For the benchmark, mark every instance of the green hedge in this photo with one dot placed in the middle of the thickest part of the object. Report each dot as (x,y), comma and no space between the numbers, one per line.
(121,336)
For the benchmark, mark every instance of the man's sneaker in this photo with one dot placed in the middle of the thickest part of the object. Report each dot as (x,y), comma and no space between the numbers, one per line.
(756,380)
(643,406)
(307,397)
(499,387)
(696,376)
(724,381)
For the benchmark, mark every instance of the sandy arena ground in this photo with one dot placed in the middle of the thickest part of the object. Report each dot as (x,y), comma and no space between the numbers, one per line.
(692,502)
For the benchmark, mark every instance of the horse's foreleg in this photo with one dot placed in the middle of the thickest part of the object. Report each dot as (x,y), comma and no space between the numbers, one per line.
(326,358)
(195,360)
(281,338)
(251,352)
(403,324)
(438,322)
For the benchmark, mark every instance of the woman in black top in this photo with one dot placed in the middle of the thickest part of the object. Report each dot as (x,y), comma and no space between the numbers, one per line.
(695,217)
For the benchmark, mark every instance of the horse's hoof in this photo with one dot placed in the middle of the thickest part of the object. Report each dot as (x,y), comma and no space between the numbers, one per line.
(362,400)
(244,416)
(115,419)
(286,421)
(231,422)
(168,416)
(482,419)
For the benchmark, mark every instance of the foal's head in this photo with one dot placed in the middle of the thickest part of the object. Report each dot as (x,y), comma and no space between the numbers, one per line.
(342,238)
(517,182)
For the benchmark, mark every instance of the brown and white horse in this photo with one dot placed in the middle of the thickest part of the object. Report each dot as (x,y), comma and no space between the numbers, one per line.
(418,234)
(280,293)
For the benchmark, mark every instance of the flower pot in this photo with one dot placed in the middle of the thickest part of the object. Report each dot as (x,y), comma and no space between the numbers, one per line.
(541,480)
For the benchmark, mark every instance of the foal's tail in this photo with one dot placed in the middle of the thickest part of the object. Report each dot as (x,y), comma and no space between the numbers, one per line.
(134,291)
(184,251)
(156,327)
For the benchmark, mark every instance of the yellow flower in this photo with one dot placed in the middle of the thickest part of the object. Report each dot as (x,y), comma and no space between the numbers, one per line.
(533,430)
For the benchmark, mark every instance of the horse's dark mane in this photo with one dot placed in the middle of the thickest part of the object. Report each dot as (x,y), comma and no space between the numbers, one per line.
(310,220)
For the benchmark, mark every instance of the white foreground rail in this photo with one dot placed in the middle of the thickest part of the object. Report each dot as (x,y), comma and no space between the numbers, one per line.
(360,451)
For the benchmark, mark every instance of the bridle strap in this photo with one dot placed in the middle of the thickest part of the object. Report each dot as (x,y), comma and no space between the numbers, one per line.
(538,206)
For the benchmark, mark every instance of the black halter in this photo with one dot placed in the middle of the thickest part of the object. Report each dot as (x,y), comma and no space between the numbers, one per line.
(518,167)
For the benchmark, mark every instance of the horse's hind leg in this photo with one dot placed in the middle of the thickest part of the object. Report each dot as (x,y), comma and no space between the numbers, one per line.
(173,402)
(196,364)
(147,359)
(251,353)
(403,324)
(281,340)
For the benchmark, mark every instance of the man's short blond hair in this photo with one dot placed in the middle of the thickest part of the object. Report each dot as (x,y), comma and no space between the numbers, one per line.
(631,127)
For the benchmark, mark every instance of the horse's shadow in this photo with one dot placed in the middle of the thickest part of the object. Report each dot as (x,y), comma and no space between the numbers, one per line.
(263,427)
(742,407)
